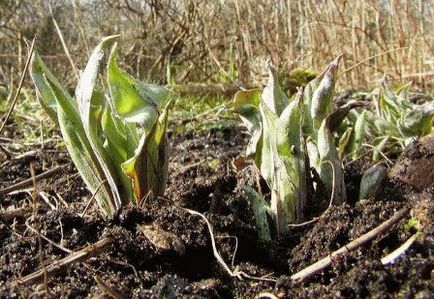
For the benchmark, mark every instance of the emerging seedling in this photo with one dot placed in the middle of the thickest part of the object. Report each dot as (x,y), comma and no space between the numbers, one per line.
(288,136)
(114,128)
(395,120)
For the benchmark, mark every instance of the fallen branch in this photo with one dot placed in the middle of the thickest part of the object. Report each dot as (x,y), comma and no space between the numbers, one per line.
(75,257)
(360,241)
(29,182)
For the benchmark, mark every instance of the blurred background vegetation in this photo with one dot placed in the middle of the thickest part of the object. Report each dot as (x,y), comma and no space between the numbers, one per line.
(227,41)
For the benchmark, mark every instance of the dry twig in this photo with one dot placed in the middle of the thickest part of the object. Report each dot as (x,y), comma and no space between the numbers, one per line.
(29,182)
(37,230)
(75,257)
(360,241)
(23,75)
(391,257)
(10,215)
(65,47)
(109,290)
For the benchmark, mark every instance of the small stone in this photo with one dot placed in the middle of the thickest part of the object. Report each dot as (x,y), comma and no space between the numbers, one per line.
(163,240)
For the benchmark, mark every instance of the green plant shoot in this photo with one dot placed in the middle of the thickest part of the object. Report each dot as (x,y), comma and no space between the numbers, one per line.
(114,129)
(394,122)
(288,136)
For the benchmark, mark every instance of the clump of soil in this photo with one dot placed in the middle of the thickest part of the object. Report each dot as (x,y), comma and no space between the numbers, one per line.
(143,261)
(414,164)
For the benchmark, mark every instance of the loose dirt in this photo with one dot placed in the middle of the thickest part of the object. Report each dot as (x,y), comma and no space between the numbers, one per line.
(203,178)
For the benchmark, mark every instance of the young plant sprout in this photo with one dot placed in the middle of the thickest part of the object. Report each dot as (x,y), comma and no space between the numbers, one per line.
(114,128)
(395,120)
(288,136)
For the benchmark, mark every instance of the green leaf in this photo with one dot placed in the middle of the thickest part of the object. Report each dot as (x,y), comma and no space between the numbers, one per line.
(291,150)
(289,128)
(344,141)
(371,181)
(337,117)
(377,125)
(269,143)
(148,167)
(378,149)
(291,145)
(61,107)
(133,100)
(358,135)
(81,151)
(154,93)
(121,147)
(246,105)
(40,74)
(417,122)
(83,93)
(331,170)
(261,212)
(321,103)
(313,154)
(273,171)
(105,147)
(285,197)
(273,95)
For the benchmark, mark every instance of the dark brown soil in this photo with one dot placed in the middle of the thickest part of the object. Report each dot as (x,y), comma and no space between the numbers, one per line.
(203,178)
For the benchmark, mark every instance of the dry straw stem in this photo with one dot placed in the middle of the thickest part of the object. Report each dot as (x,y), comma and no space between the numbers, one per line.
(390,258)
(183,34)
(29,182)
(34,196)
(75,257)
(233,273)
(65,47)
(360,241)
(109,290)
(20,85)
(10,215)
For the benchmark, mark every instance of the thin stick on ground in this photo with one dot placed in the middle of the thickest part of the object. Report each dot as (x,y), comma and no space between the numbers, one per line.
(360,241)
(234,254)
(20,85)
(236,273)
(6,152)
(34,230)
(75,257)
(34,196)
(391,257)
(10,215)
(108,289)
(29,182)
(92,198)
